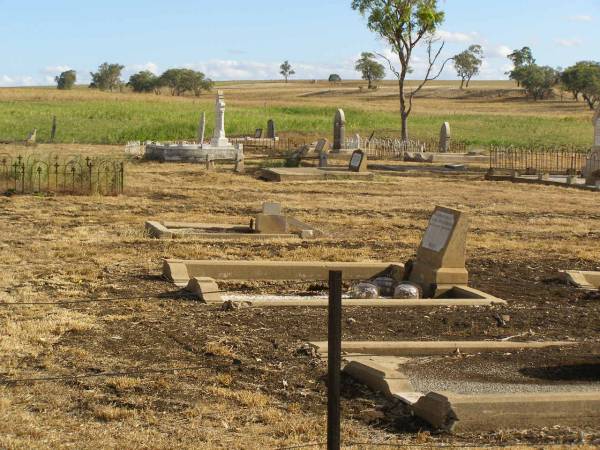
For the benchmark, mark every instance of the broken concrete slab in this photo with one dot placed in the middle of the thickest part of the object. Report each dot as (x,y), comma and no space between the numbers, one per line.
(205,289)
(582,279)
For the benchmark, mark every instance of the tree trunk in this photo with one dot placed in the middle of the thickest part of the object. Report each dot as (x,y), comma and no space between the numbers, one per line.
(462,82)
(403,113)
(468,81)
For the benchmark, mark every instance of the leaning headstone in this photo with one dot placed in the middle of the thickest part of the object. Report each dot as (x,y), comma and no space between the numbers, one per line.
(258,133)
(271,129)
(321,146)
(440,261)
(31,137)
(339,130)
(358,161)
(444,146)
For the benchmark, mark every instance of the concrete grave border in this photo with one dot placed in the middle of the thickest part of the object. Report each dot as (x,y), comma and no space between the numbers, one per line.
(459,412)
(582,279)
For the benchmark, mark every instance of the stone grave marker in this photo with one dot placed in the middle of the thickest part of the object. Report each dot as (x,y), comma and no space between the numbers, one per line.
(321,146)
(271,129)
(339,130)
(271,220)
(358,161)
(445,137)
(258,133)
(592,164)
(272,208)
(219,138)
(440,260)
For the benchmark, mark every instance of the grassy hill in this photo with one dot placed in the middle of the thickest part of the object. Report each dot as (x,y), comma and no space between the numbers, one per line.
(490,112)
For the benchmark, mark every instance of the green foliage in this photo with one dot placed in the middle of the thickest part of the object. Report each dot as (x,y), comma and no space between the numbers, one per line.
(521,59)
(468,63)
(66,80)
(180,81)
(107,78)
(370,69)
(286,70)
(538,81)
(335,78)
(403,24)
(583,78)
(144,81)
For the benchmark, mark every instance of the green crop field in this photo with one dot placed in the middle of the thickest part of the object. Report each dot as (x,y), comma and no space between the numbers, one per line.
(489,115)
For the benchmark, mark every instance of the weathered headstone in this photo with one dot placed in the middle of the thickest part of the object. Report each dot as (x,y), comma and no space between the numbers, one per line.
(445,137)
(358,161)
(202,128)
(355,142)
(31,137)
(258,133)
(440,261)
(339,130)
(272,208)
(239,163)
(219,139)
(321,146)
(271,129)
(591,171)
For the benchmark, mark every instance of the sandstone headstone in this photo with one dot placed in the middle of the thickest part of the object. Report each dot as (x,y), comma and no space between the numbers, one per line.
(219,139)
(271,129)
(258,133)
(321,146)
(358,161)
(445,138)
(339,130)
(272,208)
(205,288)
(271,224)
(440,261)
(239,164)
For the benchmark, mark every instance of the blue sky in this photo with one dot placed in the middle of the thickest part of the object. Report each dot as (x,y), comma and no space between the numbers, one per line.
(245,39)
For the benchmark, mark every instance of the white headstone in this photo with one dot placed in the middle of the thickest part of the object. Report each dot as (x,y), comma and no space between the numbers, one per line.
(438,231)
(445,138)
(219,139)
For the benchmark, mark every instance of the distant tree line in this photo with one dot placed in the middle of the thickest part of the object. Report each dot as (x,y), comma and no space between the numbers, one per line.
(108,78)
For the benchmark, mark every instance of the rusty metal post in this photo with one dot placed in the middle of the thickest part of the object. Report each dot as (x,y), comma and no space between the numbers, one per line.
(334,360)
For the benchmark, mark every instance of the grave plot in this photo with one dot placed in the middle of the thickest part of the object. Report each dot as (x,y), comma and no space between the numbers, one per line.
(437,277)
(271,223)
(474,386)
(588,280)
(356,170)
(549,167)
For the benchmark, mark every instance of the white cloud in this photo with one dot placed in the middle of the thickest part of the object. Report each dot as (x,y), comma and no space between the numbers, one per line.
(574,42)
(457,37)
(134,68)
(14,81)
(581,18)
(496,51)
(55,70)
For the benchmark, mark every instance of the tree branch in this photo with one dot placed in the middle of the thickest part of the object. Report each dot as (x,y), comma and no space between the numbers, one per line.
(392,68)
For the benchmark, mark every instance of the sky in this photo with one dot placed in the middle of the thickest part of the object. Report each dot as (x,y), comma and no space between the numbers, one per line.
(245,39)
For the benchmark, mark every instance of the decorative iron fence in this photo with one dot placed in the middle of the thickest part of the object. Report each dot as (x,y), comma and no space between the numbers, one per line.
(540,160)
(390,148)
(73,175)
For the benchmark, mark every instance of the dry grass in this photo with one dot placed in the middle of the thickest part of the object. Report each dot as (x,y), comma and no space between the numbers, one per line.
(73,247)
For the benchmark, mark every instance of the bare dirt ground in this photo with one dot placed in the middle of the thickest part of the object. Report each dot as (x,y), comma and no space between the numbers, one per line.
(248,384)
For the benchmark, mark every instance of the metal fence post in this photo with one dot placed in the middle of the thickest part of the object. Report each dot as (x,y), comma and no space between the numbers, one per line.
(334,360)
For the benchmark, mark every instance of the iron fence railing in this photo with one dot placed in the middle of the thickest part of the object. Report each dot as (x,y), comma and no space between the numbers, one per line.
(548,160)
(74,175)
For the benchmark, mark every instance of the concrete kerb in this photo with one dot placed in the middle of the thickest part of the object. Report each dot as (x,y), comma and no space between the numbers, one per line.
(582,279)
(458,412)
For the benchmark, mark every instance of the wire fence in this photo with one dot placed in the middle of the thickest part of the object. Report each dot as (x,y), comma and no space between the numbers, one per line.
(561,160)
(73,175)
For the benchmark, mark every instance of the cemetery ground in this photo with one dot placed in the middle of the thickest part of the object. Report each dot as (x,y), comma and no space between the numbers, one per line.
(251,382)
(489,112)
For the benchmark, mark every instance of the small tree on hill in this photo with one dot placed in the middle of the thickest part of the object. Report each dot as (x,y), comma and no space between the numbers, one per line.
(286,70)
(335,78)
(108,77)
(144,81)
(468,64)
(370,69)
(180,81)
(583,79)
(538,81)
(66,80)
(521,59)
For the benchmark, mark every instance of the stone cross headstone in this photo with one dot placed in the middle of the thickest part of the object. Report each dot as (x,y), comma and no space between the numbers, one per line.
(258,133)
(271,129)
(445,137)
(358,161)
(202,128)
(219,139)
(339,130)
(440,261)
